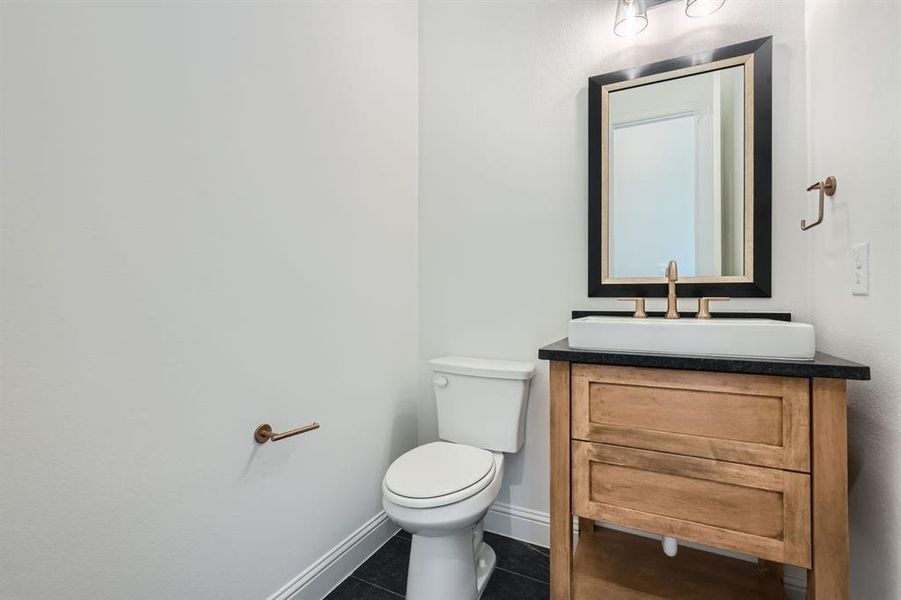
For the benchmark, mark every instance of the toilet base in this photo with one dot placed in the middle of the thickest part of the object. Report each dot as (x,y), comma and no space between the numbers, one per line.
(486,559)
(452,566)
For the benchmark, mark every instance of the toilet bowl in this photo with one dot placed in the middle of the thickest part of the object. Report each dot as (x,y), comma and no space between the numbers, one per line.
(441,491)
(448,557)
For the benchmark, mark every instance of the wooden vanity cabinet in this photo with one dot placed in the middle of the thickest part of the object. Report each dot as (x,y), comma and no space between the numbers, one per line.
(749,463)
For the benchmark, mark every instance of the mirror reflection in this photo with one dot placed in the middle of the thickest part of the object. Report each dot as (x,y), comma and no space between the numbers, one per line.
(676,167)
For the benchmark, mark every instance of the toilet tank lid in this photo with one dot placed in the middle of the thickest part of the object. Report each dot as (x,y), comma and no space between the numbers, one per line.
(483,367)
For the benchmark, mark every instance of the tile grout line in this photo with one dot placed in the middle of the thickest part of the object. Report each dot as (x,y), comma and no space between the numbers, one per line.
(515,574)
(521,575)
(352,576)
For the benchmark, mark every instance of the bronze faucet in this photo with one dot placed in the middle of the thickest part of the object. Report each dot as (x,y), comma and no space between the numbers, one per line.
(672,276)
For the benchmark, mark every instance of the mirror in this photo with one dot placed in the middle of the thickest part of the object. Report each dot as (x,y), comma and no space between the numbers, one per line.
(676,176)
(679,170)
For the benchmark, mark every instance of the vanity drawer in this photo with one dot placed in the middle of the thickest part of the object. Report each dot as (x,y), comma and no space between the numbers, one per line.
(758,511)
(750,419)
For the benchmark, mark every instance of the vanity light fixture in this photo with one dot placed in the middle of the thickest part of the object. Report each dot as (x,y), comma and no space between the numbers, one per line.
(702,8)
(631,17)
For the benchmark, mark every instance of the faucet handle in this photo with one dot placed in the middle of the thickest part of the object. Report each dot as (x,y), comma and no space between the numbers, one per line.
(704,305)
(640,312)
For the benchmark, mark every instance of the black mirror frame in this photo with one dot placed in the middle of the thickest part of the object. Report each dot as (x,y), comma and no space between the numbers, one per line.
(760,287)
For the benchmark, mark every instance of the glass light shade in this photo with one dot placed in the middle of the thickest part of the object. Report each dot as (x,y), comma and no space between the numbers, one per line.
(702,8)
(631,17)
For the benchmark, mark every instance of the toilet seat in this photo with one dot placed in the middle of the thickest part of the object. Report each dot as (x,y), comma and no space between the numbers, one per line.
(438,474)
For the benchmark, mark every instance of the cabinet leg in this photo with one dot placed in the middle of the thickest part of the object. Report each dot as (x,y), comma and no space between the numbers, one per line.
(828,577)
(561,505)
(773,570)
(586,524)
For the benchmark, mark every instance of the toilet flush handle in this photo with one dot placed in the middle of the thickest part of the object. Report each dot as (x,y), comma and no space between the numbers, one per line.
(439,381)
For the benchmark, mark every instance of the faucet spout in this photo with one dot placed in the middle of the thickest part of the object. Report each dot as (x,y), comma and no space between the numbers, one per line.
(672,276)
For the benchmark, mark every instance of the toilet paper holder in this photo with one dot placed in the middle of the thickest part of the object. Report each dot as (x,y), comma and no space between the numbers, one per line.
(827,188)
(264,432)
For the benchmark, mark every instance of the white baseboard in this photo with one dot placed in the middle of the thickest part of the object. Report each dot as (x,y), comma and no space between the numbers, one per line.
(533,526)
(325,574)
(519,523)
(795,580)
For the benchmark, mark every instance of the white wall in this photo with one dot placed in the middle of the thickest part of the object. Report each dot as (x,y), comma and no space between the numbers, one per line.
(854,74)
(209,221)
(503,175)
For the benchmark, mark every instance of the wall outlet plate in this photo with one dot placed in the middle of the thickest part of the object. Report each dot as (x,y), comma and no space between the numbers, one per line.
(860,269)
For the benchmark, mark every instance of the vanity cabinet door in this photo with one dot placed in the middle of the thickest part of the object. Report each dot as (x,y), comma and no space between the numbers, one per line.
(758,511)
(750,419)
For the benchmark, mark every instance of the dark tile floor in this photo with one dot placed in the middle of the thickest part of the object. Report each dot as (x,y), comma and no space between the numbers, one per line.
(521,572)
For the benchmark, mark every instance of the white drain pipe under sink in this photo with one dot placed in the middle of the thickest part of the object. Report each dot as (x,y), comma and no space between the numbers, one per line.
(670,546)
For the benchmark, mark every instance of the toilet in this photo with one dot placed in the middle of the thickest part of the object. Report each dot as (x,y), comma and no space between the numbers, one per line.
(440,492)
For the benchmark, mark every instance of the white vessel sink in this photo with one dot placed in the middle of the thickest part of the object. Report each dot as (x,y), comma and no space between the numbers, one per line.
(736,338)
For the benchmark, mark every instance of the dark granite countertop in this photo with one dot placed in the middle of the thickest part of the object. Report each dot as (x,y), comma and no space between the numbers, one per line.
(823,365)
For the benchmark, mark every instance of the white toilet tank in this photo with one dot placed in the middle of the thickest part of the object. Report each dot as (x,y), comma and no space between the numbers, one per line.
(482,402)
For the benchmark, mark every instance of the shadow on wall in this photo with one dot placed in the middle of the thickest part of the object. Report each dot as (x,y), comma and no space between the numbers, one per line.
(858,420)
(404,431)
(870,449)
(696,39)
(538,407)
(514,467)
